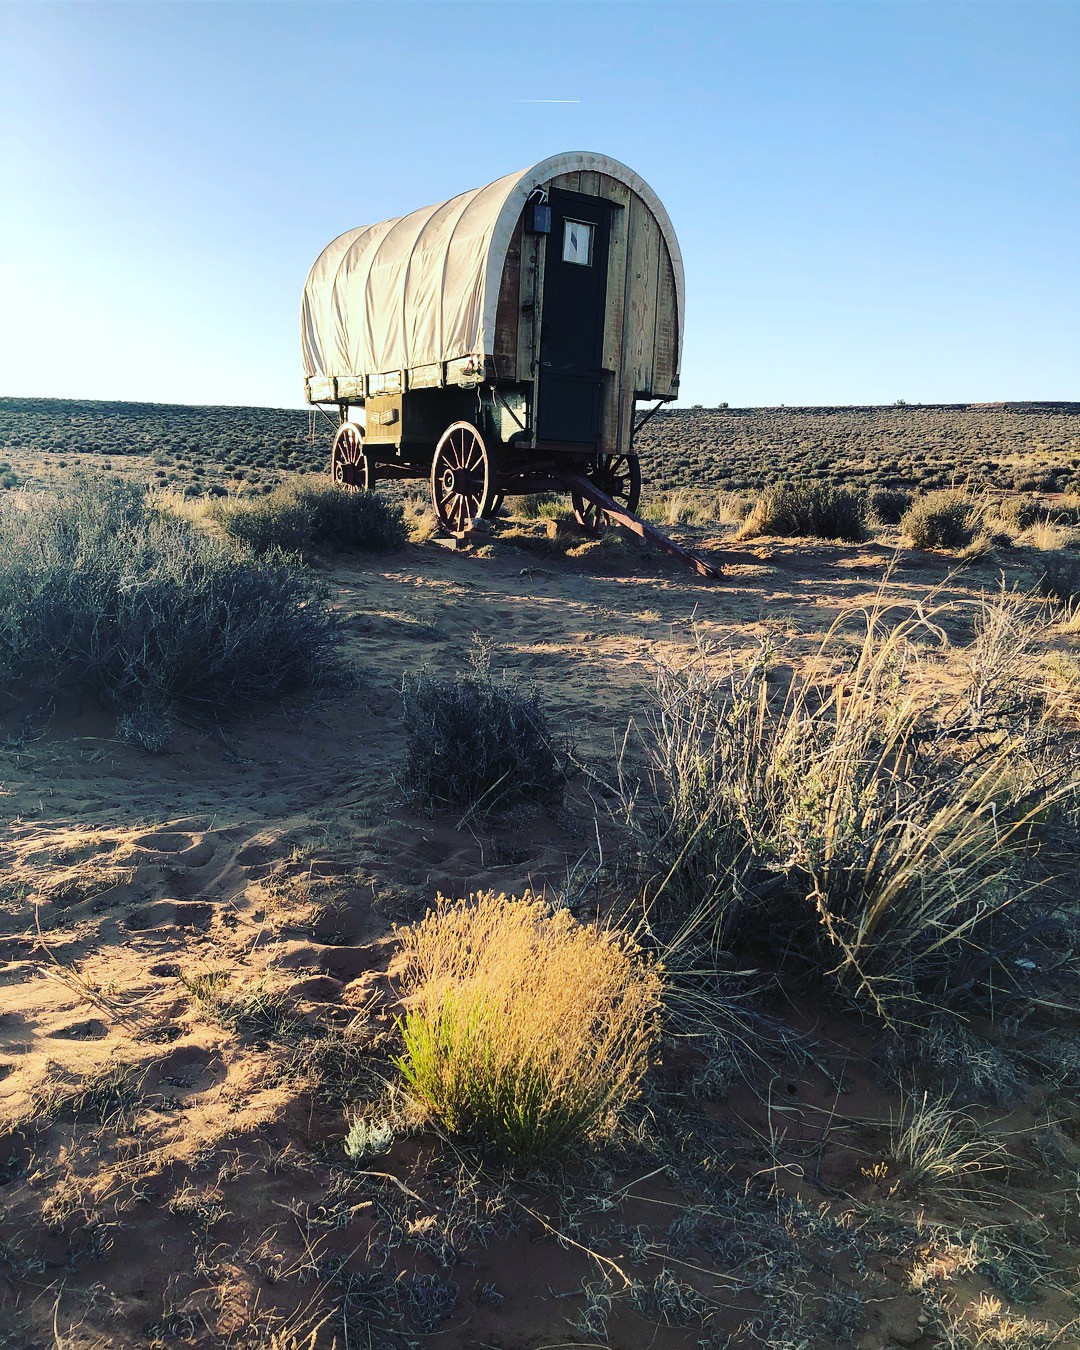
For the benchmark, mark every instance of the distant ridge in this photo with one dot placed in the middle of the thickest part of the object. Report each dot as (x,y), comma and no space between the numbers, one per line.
(1070,409)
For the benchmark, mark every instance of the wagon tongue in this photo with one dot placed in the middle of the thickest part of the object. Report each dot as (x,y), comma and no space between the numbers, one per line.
(585,487)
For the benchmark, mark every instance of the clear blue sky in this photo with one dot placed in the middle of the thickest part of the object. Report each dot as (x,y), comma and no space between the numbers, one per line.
(875,200)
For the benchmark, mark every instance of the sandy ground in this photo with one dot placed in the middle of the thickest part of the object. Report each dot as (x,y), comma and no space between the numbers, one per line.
(167,1178)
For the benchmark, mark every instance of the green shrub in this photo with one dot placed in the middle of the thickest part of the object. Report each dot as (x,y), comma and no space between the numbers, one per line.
(945,519)
(477,743)
(525,1030)
(820,512)
(261,525)
(298,517)
(100,592)
(888,505)
(542,506)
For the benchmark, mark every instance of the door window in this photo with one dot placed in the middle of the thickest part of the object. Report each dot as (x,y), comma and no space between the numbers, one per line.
(577,242)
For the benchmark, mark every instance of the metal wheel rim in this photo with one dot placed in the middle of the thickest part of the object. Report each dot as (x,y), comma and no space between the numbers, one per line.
(460,477)
(350,467)
(617,475)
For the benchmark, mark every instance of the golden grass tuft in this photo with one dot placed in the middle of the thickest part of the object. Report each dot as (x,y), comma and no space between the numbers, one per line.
(940,1146)
(420,519)
(1049,538)
(525,1029)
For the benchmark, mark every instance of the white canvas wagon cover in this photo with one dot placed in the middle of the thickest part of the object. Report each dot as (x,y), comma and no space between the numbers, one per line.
(424,288)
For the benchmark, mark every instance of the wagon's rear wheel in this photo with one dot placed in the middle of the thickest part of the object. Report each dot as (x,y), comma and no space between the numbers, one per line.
(351,467)
(461,487)
(494,505)
(617,475)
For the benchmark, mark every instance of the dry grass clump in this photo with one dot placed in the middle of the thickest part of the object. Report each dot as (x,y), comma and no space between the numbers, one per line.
(987,1324)
(811,510)
(1049,538)
(525,1029)
(940,1146)
(946,519)
(310,514)
(685,507)
(477,742)
(1001,655)
(731,508)
(420,520)
(843,824)
(675,508)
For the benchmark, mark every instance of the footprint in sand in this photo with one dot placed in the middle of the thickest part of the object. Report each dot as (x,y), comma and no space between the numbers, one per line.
(177,848)
(170,914)
(346,963)
(190,1067)
(164,841)
(258,852)
(16,946)
(87,1029)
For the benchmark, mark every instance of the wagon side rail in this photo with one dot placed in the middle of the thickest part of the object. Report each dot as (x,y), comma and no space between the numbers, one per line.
(577,482)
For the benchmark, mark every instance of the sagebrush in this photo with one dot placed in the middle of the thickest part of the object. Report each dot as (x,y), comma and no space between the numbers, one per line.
(312,514)
(526,1030)
(815,510)
(477,742)
(888,505)
(101,593)
(946,519)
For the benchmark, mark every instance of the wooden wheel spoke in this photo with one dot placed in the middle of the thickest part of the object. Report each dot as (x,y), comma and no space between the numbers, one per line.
(350,466)
(619,477)
(460,475)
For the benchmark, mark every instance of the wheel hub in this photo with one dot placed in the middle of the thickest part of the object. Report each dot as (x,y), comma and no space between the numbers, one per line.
(460,482)
(612,483)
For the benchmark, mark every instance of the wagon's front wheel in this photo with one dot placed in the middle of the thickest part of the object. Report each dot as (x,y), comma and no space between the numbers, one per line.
(351,466)
(461,488)
(617,475)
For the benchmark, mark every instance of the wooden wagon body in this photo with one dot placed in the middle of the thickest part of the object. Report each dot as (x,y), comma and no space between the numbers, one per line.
(500,342)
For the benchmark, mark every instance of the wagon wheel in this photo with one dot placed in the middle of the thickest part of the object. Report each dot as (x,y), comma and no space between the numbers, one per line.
(494,506)
(617,475)
(351,467)
(461,477)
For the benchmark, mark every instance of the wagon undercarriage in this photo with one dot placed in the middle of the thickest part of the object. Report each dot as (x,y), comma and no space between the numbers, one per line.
(469,482)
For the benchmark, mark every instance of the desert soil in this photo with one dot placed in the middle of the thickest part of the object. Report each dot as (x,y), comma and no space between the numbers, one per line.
(171,1177)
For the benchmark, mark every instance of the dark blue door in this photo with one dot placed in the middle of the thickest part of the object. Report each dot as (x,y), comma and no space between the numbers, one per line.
(572,328)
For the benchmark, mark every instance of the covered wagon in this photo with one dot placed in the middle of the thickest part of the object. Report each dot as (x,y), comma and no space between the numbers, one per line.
(500,342)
